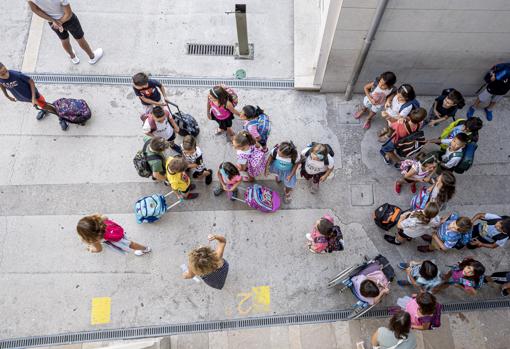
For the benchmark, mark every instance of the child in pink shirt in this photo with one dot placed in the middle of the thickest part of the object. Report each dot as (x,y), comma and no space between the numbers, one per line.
(319,236)
(229,178)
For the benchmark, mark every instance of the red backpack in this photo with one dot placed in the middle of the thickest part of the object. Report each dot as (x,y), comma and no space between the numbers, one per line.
(113,231)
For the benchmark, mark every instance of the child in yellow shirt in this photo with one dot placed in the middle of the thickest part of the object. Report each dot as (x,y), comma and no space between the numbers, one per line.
(178,179)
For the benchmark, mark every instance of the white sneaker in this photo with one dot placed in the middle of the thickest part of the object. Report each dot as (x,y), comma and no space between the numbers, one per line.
(98,53)
(142,252)
(309,237)
(75,60)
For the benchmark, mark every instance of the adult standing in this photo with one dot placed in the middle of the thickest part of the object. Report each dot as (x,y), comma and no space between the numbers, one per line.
(63,21)
(208,263)
(397,335)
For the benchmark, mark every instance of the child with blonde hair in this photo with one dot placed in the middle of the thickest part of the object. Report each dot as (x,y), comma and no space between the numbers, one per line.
(95,229)
(178,179)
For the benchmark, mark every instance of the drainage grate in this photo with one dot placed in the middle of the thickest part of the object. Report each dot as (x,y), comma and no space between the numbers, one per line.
(210,50)
(47,78)
(266,321)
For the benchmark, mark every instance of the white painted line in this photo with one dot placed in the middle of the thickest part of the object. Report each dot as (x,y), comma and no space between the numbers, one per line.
(33,44)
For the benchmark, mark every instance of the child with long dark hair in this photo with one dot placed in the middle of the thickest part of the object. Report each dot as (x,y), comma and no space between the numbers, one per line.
(257,124)
(221,109)
(283,162)
(467,275)
(250,159)
(229,178)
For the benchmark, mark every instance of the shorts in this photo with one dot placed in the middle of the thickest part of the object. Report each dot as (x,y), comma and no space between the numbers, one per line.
(315,178)
(72,26)
(224,124)
(197,173)
(485,97)
(388,146)
(370,106)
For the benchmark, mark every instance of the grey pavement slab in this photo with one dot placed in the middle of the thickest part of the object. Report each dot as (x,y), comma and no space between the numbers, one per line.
(152,38)
(15,27)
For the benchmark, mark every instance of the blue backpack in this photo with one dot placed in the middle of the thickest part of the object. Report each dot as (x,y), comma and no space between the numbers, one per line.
(501,71)
(263,126)
(150,208)
(414,102)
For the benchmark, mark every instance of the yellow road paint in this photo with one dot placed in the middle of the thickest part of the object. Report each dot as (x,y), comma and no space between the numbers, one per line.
(256,301)
(100,311)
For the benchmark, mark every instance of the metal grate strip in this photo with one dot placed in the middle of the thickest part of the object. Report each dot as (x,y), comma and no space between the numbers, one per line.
(48,78)
(209,49)
(167,330)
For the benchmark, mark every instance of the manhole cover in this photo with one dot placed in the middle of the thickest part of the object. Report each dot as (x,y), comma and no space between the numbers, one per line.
(362,195)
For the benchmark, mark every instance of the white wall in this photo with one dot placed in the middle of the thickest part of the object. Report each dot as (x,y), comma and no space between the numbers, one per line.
(430,44)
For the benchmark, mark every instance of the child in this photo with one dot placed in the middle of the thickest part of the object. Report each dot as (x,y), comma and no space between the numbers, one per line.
(193,156)
(413,224)
(416,171)
(283,162)
(22,87)
(492,232)
(96,229)
(258,124)
(317,163)
(445,106)
(148,90)
(400,129)
(178,179)
(470,127)
(221,109)
(250,159)
(467,275)
(400,104)
(498,85)
(229,178)
(372,287)
(454,231)
(453,154)
(422,309)
(423,275)
(209,264)
(324,236)
(376,94)
(159,123)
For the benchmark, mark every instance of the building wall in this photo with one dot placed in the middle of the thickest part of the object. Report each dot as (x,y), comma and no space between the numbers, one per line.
(430,44)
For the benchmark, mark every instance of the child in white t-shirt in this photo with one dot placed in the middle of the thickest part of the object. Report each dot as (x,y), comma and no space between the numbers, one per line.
(159,123)
(376,94)
(192,153)
(317,164)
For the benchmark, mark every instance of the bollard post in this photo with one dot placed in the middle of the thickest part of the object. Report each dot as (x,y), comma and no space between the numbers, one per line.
(244,50)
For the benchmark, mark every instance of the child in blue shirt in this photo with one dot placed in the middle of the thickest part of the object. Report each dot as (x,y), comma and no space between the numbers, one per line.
(492,231)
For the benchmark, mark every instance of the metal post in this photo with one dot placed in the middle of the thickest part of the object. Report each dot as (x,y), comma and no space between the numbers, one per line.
(244,50)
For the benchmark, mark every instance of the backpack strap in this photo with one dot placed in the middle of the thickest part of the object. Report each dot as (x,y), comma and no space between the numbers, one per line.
(274,152)
(152,123)
(151,157)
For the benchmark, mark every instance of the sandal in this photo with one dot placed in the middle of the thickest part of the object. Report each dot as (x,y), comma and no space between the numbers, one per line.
(413,187)
(366,126)
(424,248)
(398,187)
(219,131)
(359,114)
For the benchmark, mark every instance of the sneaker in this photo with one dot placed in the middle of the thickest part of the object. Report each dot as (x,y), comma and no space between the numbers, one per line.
(165,182)
(218,190)
(488,114)
(98,54)
(314,188)
(75,60)
(41,114)
(424,248)
(63,124)
(191,196)
(142,252)
(413,187)
(308,237)
(391,239)
(192,187)
(403,283)
(398,187)
(208,178)
(470,112)
(403,266)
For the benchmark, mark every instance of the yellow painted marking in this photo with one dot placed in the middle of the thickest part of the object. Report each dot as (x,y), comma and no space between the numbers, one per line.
(33,44)
(101,309)
(240,308)
(261,299)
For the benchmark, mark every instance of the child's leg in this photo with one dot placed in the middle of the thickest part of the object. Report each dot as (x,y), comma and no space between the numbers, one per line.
(230,132)
(136,246)
(368,122)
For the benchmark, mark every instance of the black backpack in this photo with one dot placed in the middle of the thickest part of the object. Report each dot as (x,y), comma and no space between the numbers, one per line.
(336,243)
(386,216)
(328,147)
(141,161)
(188,125)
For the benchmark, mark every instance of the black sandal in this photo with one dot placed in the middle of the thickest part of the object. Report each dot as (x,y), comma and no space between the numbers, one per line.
(391,239)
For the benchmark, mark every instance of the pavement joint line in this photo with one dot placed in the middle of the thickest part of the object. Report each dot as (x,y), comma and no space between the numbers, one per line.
(230,324)
(33,44)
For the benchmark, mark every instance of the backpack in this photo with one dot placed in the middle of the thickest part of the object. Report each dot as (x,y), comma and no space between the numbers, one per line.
(501,70)
(141,161)
(411,144)
(150,208)
(328,147)
(231,93)
(420,200)
(113,231)
(386,216)
(414,102)
(75,111)
(468,156)
(187,123)
(336,243)
(263,126)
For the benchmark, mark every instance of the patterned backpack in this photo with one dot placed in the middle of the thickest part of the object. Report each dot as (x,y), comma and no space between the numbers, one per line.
(263,126)
(75,111)
(150,208)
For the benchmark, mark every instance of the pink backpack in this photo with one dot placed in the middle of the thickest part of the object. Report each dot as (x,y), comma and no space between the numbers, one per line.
(113,231)
(256,161)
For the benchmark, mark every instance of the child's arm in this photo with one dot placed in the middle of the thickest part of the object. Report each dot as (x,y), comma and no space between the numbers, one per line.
(383,292)
(173,123)
(294,170)
(439,242)
(209,110)
(221,244)
(95,247)
(326,175)
(32,90)
(478,216)
(478,243)
(233,110)
(163,92)
(410,173)
(387,104)
(220,178)
(268,164)
(4,90)
(150,101)
(241,167)
(438,120)
(410,277)
(434,141)
(188,274)
(367,89)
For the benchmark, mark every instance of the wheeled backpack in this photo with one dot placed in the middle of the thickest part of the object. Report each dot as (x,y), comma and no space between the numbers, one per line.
(74,111)
(386,216)
(188,125)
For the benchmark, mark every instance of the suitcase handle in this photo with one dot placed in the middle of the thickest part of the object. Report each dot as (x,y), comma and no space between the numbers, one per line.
(51,105)
(175,105)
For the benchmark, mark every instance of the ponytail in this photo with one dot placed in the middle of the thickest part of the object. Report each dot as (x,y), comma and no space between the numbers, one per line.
(244,138)
(252,112)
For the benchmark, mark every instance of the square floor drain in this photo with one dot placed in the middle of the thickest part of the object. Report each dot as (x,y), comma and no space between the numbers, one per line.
(362,195)
(210,50)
